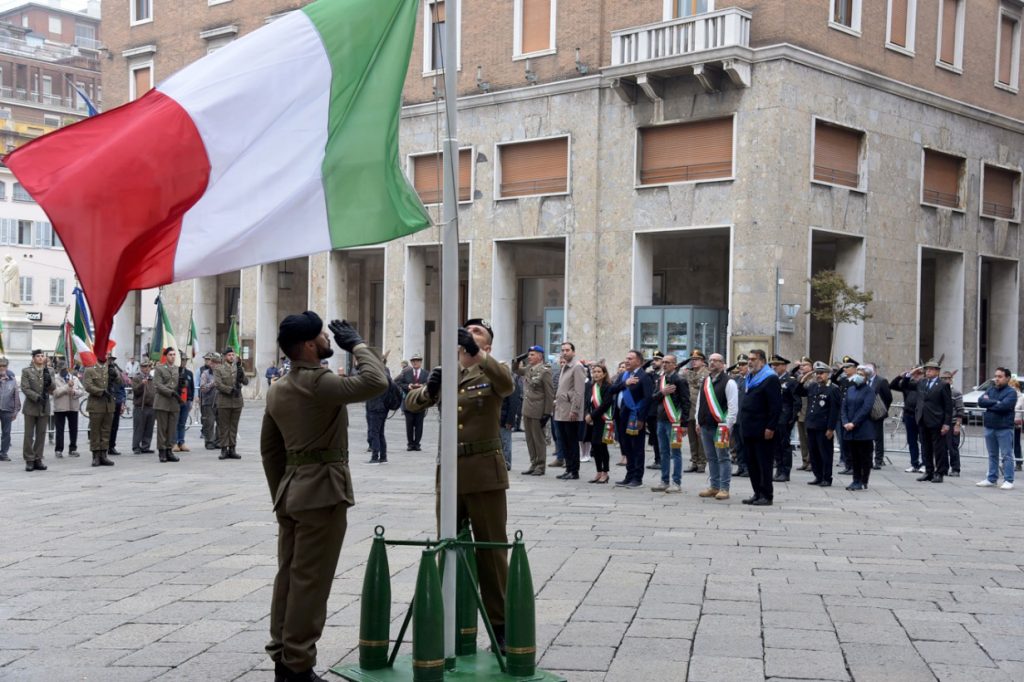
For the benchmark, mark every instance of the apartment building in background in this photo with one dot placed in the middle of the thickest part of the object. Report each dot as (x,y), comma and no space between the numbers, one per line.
(49,58)
(668,174)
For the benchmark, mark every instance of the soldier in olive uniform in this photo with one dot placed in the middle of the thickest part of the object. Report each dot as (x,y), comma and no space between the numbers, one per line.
(482,477)
(304,445)
(538,402)
(167,405)
(100,382)
(37,385)
(229,378)
(696,373)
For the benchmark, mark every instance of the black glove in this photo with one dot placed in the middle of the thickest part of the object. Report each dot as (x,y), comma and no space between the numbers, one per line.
(434,383)
(239,373)
(111,372)
(345,335)
(521,357)
(47,379)
(468,343)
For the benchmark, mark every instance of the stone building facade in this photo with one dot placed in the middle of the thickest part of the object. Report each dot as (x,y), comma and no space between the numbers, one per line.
(693,164)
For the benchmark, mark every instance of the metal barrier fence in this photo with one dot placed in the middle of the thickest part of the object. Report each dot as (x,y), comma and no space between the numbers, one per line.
(972,433)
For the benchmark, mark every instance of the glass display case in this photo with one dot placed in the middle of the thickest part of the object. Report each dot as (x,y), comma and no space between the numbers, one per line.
(553,324)
(679,329)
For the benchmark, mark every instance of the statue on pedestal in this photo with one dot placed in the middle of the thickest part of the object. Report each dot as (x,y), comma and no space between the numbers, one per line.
(12,288)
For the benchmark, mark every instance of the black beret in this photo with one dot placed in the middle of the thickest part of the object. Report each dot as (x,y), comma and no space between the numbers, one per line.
(298,328)
(229,349)
(480,322)
(38,351)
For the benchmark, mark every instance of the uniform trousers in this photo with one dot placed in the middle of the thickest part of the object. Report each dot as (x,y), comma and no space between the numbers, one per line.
(115,424)
(535,442)
(760,455)
(783,449)
(698,457)
(209,413)
(59,420)
(821,451)
(487,514)
(569,439)
(227,425)
(805,449)
(166,426)
(933,451)
(35,437)
(142,428)
(99,431)
(414,428)
(308,547)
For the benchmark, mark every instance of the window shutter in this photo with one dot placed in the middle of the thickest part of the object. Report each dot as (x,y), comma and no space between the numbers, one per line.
(898,23)
(686,152)
(539,167)
(428,178)
(837,155)
(1006,31)
(5,226)
(142,81)
(942,179)
(465,175)
(947,51)
(1000,197)
(536,25)
(53,291)
(37,234)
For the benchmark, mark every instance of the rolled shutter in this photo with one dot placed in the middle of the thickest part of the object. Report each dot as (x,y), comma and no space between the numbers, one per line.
(947,51)
(465,174)
(837,155)
(898,23)
(143,81)
(437,11)
(942,179)
(428,177)
(539,167)
(536,25)
(999,199)
(685,152)
(1006,31)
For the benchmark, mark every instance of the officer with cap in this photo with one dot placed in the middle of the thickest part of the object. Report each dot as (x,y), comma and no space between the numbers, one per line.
(823,405)
(304,444)
(167,405)
(696,373)
(37,385)
(229,377)
(143,417)
(787,418)
(208,399)
(412,377)
(482,477)
(538,402)
(101,381)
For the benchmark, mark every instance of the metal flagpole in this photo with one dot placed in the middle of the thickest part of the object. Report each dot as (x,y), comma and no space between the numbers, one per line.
(449,323)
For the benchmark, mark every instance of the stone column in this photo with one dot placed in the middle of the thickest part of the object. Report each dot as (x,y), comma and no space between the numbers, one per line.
(504,297)
(949,311)
(204,309)
(415,304)
(1004,302)
(266,316)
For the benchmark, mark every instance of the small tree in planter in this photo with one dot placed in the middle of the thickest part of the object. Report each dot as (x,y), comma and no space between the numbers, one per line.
(837,302)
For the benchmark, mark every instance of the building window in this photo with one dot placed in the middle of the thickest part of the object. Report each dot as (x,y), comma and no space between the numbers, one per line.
(837,155)
(1000,193)
(845,15)
(435,26)
(43,235)
(1008,50)
(85,36)
(141,80)
(25,284)
(537,167)
(428,173)
(55,26)
(686,152)
(951,34)
(942,178)
(142,11)
(20,193)
(534,26)
(902,24)
(3,191)
(56,291)
(689,8)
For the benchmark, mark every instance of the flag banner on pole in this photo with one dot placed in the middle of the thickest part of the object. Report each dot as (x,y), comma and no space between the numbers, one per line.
(163,335)
(81,332)
(282,144)
(233,336)
(193,337)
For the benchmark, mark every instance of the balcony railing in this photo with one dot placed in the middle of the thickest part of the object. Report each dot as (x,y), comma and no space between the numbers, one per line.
(690,35)
(47,52)
(66,103)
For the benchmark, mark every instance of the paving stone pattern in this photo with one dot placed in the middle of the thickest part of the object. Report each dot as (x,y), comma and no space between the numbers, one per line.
(164,571)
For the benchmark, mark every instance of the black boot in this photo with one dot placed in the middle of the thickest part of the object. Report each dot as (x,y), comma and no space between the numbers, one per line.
(104,461)
(162,454)
(30,465)
(233,455)
(223,453)
(38,465)
(95,458)
(170,456)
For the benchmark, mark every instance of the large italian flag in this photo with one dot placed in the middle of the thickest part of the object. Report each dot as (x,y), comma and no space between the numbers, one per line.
(282,144)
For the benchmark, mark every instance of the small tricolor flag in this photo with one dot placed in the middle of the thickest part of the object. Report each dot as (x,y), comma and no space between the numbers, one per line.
(233,336)
(193,337)
(163,335)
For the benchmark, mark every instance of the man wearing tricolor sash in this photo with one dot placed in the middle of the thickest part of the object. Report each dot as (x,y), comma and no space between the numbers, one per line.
(717,409)
(673,401)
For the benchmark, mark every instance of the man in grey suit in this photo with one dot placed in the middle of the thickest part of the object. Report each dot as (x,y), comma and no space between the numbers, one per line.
(572,381)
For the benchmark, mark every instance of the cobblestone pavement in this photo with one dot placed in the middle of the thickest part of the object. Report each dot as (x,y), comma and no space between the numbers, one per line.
(163,571)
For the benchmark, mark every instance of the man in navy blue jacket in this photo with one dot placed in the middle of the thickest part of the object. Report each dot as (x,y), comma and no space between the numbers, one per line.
(632,391)
(999,402)
(759,418)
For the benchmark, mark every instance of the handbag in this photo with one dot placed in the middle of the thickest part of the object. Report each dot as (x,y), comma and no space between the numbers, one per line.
(878,410)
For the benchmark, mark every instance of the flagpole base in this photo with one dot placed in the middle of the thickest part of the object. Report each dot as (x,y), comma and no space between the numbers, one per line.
(479,666)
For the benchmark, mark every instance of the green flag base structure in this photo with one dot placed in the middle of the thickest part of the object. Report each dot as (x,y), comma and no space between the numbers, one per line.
(426,612)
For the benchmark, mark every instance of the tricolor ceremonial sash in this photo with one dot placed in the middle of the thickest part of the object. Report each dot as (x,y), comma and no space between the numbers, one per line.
(717,413)
(671,411)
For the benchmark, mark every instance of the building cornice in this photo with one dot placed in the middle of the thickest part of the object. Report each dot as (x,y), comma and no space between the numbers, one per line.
(139,51)
(780,52)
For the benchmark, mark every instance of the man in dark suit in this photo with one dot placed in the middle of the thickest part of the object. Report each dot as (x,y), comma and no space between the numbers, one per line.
(882,390)
(759,418)
(412,377)
(787,418)
(934,420)
(632,391)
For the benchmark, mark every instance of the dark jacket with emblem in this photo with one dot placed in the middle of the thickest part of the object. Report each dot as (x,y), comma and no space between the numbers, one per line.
(482,388)
(306,413)
(790,401)
(823,405)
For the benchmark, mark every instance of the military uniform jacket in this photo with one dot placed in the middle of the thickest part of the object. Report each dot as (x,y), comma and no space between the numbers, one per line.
(823,405)
(307,414)
(538,389)
(229,394)
(695,377)
(166,384)
(790,401)
(96,381)
(482,388)
(143,392)
(36,384)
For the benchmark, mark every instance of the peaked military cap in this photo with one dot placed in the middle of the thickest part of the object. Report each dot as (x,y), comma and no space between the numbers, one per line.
(778,360)
(698,353)
(821,367)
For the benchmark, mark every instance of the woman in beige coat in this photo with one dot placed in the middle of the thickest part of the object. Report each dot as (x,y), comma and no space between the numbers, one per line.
(67,395)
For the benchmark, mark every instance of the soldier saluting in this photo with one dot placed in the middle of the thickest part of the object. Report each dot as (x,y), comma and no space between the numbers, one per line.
(482,477)
(304,444)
